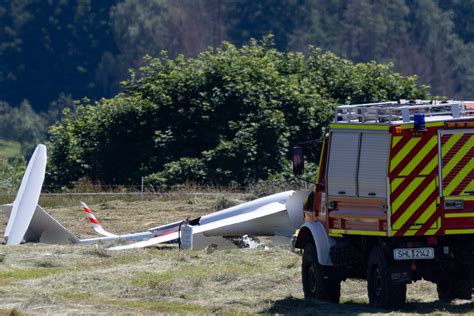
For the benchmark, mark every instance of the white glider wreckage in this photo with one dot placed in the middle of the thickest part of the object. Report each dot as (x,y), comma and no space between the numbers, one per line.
(277,215)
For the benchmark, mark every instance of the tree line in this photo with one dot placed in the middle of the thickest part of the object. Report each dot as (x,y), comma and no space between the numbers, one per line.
(235,122)
(84,48)
(229,116)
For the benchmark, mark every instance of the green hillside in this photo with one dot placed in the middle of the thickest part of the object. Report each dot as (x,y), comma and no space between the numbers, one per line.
(9,149)
(50,49)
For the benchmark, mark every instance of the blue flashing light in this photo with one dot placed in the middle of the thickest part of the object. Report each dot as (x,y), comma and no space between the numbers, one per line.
(419,121)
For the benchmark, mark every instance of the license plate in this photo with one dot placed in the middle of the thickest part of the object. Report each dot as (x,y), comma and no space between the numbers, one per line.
(413,253)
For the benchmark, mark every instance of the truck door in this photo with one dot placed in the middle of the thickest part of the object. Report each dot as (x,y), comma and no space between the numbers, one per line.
(456,169)
(414,181)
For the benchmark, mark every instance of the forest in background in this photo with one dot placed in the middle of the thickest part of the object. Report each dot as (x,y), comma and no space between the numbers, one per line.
(84,48)
(56,51)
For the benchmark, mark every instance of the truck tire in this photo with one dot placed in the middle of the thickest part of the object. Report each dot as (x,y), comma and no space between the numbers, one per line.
(383,292)
(449,290)
(463,289)
(445,290)
(316,282)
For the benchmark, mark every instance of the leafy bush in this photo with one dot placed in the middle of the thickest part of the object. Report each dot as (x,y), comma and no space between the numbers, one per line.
(11,173)
(229,116)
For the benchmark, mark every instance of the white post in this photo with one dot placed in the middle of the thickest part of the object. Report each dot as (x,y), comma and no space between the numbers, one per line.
(406,114)
(186,236)
(456,112)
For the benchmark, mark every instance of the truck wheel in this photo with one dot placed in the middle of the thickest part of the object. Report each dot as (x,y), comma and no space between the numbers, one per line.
(382,291)
(316,282)
(463,289)
(445,290)
(449,290)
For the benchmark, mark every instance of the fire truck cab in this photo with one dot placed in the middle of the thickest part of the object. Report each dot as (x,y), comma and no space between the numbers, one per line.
(394,201)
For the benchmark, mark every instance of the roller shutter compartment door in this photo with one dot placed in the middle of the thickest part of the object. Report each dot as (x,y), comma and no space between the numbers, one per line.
(342,169)
(372,178)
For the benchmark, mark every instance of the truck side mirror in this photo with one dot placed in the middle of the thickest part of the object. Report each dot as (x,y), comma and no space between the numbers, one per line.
(298,161)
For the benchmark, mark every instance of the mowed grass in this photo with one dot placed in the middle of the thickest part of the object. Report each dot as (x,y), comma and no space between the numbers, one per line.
(38,278)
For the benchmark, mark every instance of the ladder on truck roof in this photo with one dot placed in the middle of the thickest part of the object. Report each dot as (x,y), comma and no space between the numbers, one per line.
(403,111)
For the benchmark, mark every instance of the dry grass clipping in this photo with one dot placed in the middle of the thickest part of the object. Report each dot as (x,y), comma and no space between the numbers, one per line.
(36,278)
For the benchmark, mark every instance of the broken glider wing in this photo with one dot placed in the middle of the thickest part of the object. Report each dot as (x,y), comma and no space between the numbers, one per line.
(268,220)
(265,220)
(27,198)
(147,243)
(45,229)
(283,224)
(275,215)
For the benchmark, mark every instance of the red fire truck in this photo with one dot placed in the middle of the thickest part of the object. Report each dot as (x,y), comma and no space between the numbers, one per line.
(394,201)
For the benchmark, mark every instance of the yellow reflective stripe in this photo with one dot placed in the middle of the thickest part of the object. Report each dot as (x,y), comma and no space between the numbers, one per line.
(431,232)
(430,166)
(406,193)
(456,158)
(318,176)
(414,206)
(434,124)
(395,140)
(402,153)
(450,143)
(359,126)
(456,215)
(458,179)
(434,228)
(429,124)
(459,198)
(436,224)
(469,187)
(419,156)
(426,214)
(458,231)
(396,182)
(339,232)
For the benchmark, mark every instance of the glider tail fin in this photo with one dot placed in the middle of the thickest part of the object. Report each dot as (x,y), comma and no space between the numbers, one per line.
(94,222)
(27,197)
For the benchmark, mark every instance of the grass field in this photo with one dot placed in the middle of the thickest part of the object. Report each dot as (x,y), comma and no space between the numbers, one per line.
(37,278)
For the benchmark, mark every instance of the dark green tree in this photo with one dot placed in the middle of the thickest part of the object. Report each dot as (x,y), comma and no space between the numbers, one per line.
(50,47)
(254,19)
(462,17)
(23,125)
(230,115)
(85,48)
